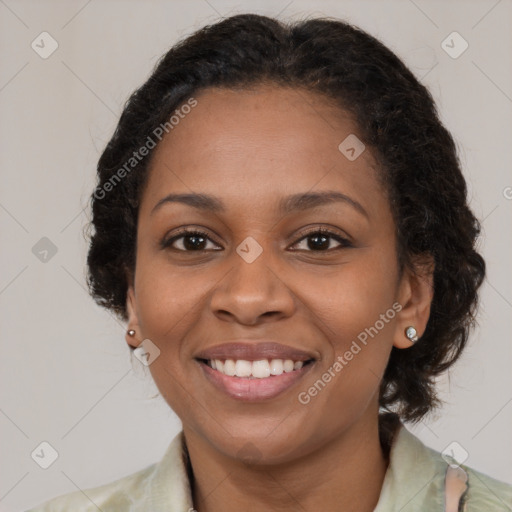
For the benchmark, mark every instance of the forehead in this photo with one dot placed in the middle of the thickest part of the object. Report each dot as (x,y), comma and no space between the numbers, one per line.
(261,142)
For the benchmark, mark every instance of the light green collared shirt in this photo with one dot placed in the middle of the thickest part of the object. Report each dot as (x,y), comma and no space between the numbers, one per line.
(415,481)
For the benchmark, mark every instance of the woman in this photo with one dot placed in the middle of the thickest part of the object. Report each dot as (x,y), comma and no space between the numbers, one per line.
(281,220)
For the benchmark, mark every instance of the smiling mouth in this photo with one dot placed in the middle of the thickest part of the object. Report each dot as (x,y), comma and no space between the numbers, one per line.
(260,369)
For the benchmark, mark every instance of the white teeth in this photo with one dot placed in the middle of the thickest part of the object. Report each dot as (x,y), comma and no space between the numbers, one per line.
(255,369)
(288,366)
(260,369)
(229,367)
(276,367)
(243,368)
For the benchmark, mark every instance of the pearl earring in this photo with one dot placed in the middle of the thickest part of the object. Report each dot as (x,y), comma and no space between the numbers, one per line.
(131,332)
(411,334)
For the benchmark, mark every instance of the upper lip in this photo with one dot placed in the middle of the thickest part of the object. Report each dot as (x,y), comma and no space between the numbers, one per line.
(254,351)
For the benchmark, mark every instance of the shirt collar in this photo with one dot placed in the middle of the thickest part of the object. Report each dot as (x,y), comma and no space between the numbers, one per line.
(413,480)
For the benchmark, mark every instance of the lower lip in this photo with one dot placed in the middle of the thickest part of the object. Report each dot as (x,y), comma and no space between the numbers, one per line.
(246,389)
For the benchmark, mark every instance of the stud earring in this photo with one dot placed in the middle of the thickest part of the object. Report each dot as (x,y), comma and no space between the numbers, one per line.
(131,332)
(411,334)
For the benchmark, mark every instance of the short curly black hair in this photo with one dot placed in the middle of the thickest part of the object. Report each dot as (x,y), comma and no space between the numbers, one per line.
(397,119)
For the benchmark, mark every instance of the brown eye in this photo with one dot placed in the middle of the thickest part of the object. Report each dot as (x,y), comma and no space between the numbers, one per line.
(189,240)
(320,240)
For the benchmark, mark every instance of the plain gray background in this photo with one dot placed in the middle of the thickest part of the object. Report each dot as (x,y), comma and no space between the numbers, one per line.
(66,373)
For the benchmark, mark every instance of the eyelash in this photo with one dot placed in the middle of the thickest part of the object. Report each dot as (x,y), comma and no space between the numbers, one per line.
(344,242)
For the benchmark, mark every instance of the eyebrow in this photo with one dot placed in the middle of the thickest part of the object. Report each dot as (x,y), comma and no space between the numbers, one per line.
(296,202)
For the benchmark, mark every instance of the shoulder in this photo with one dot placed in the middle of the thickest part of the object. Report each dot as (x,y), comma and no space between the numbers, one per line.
(117,495)
(422,477)
(486,493)
(482,492)
(161,487)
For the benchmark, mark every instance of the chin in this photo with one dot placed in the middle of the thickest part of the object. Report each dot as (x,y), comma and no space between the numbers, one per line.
(259,442)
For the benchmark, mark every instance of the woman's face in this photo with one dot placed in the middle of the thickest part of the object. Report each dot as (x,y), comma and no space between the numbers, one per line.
(260,283)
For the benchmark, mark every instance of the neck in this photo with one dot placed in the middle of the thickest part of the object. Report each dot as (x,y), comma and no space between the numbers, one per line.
(343,474)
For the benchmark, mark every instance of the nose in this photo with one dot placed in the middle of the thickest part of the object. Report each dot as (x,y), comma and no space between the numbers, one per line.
(252,293)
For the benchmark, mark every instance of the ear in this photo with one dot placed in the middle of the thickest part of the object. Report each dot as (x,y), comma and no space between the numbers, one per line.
(133,322)
(416,290)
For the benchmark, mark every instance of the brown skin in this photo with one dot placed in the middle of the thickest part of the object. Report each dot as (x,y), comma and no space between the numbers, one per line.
(250,149)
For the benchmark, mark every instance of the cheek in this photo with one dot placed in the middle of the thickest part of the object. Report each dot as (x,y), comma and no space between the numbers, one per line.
(354,296)
(166,301)
(356,312)
(169,304)
(166,306)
